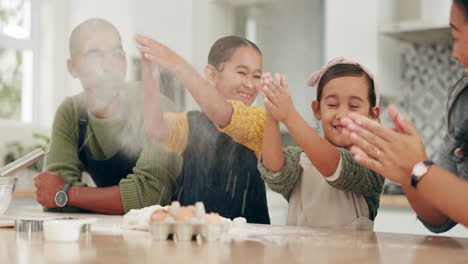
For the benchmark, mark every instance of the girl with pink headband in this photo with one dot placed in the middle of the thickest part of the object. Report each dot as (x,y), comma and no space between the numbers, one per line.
(324,185)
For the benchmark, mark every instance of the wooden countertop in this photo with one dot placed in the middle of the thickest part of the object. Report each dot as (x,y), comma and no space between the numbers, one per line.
(24,193)
(108,243)
(395,201)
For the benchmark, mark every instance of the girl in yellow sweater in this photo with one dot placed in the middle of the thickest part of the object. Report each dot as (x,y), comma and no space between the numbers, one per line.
(217,170)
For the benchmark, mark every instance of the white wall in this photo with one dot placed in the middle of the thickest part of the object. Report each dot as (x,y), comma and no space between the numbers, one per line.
(352,30)
(388,49)
(167,21)
(292,44)
(53,75)
(211,21)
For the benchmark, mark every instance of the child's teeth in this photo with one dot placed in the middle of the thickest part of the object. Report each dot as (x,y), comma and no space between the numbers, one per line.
(244,95)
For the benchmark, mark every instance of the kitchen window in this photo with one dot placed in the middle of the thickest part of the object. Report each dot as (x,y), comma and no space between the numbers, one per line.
(17,53)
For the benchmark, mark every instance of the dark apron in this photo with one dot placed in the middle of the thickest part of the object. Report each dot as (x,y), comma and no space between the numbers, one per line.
(106,172)
(220,173)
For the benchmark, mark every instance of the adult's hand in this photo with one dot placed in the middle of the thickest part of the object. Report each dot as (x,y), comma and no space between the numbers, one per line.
(47,185)
(391,153)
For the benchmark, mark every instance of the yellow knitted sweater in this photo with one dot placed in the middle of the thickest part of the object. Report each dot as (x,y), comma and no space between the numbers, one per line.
(245,128)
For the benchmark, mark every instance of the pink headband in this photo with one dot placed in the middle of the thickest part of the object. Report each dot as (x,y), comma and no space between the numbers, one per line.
(315,77)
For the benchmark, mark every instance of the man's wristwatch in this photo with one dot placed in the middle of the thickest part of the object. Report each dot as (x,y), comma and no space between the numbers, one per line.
(61,197)
(419,170)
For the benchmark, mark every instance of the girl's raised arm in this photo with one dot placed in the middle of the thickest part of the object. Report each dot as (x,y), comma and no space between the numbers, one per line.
(320,152)
(155,125)
(210,100)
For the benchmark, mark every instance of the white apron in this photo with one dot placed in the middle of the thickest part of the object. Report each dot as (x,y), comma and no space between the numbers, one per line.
(315,203)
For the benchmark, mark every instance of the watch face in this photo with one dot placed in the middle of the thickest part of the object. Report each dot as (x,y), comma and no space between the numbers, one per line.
(61,198)
(420,169)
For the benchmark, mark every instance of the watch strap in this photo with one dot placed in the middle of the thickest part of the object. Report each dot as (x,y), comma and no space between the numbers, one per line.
(66,187)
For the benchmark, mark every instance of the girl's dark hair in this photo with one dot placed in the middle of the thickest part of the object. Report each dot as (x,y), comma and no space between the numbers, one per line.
(463,4)
(223,49)
(340,70)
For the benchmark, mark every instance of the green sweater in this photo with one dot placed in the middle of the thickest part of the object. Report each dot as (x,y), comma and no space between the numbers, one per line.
(353,178)
(153,178)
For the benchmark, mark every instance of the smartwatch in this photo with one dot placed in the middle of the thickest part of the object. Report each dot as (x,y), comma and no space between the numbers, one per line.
(61,197)
(419,170)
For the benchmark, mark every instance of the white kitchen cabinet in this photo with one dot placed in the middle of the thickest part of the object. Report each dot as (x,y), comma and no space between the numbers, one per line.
(423,21)
(418,31)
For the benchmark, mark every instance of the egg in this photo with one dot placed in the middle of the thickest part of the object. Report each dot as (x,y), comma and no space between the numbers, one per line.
(185,214)
(159,215)
(212,218)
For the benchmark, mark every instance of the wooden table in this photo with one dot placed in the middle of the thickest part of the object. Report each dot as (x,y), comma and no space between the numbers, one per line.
(108,243)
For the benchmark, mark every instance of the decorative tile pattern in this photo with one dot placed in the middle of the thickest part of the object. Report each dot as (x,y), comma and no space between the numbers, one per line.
(428,72)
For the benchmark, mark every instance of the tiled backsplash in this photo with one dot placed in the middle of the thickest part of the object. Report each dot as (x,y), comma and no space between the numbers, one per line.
(428,73)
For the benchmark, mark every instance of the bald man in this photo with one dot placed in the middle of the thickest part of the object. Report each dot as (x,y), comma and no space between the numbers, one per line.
(100,131)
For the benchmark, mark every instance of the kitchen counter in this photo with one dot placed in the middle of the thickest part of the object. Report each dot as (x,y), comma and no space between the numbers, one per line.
(394,200)
(109,243)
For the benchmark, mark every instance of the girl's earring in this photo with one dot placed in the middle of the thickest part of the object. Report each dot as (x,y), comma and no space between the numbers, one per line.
(316,125)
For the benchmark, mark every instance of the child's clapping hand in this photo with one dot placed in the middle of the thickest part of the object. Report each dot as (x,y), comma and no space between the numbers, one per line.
(278,101)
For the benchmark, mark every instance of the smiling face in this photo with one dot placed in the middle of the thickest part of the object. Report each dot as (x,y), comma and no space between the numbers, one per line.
(459,25)
(239,78)
(341,96)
